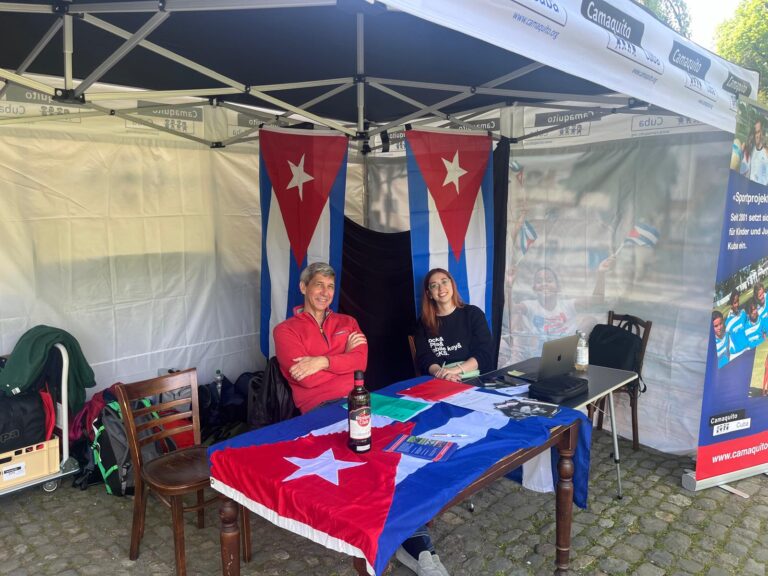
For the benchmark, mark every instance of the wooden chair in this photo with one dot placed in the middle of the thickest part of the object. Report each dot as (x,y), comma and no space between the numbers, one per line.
(176,473)
(643,329)
(412,345)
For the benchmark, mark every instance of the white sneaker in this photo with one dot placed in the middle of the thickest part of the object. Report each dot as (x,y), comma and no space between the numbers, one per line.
(439,565)
(427,565)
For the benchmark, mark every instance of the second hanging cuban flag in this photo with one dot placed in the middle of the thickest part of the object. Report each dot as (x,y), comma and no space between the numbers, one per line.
(450,190)
(302,178)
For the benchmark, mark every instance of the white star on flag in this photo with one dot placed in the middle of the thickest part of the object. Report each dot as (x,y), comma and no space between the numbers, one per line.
(453,171)
(325,466)
(298,177)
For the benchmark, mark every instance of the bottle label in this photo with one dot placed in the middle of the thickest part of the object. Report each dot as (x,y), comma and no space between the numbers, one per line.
(360,423)
(582,356)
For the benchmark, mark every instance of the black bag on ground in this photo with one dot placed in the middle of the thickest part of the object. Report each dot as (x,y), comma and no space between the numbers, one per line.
(614,347)
(558,389)
(22,421)
(221,414)
(270,399)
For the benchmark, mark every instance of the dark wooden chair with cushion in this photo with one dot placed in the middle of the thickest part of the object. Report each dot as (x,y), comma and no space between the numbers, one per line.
(412,346)
(642,328)
(176,473)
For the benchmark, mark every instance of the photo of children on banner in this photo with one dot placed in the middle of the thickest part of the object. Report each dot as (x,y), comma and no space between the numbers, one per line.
(740,329)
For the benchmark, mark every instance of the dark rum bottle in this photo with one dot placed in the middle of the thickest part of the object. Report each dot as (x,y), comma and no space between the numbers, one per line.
(359,403)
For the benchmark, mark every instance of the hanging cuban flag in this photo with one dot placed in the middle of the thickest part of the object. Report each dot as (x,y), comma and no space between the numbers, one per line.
(642,235)
(301,475)
(450,191)
(527,236)
(302,175)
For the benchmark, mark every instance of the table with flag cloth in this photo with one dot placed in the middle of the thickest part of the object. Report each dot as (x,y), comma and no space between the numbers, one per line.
(300,475)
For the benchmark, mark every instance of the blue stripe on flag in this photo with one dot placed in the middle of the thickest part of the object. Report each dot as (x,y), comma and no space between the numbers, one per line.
(459,272)
(419,206)
(266,283)
(295,297)
(336,201)
(487,190)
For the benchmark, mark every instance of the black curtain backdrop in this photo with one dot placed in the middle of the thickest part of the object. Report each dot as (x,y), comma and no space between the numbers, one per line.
(500,190)
(377,285)
(377,290)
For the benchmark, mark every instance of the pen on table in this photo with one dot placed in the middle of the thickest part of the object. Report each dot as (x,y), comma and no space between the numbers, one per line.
(440,371)
(449,435)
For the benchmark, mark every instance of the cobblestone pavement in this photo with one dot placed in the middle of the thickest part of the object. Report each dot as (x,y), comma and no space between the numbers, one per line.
(658,528)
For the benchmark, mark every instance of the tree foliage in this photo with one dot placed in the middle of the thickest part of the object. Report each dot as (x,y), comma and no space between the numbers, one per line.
(672,12)
(744,40)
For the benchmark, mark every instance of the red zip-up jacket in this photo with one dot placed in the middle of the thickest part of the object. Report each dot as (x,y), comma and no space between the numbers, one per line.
(300,336)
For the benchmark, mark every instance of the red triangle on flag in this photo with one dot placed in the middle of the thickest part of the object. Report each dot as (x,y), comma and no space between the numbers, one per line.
(445,161)
(302,168)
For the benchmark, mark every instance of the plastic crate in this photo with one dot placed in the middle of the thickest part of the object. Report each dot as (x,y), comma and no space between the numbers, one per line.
(29,463)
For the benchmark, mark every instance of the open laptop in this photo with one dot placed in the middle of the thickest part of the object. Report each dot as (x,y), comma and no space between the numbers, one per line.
(557,358)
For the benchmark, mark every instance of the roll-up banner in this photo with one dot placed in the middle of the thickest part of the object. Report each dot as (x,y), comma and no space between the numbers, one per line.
(733,433)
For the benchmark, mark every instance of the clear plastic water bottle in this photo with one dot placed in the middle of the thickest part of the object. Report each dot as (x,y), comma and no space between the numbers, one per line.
(219,379)
(582,353)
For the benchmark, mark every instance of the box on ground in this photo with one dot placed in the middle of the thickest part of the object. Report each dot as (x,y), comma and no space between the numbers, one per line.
(29,463)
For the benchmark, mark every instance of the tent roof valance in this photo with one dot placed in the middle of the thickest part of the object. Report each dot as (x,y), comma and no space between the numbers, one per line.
(367,65)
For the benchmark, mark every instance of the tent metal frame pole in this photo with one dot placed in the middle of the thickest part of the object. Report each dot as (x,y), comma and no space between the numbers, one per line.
(68,49)
(419,113)
(35,52)
(309,115)
(338,90)
(360,70)
(148,27)
(159,50)
(35,119)
(191,93)
(30,8)
(417,104)
(156,105)
(27,82)
(240,109)
(150,124)
(193,5)
(465,92)
(486,89)
(300,85)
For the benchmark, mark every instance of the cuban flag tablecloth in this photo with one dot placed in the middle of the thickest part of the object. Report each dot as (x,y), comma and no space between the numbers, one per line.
(302,177)
(450,195)
(300,474)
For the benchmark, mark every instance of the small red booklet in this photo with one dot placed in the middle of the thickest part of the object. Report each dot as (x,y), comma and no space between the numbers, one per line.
(435,390)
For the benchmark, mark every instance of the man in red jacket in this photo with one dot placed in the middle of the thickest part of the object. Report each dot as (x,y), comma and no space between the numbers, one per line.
(319,350)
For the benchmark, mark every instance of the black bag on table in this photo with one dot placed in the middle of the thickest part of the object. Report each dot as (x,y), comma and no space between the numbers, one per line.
(615,347)
(558,389)
(22,421)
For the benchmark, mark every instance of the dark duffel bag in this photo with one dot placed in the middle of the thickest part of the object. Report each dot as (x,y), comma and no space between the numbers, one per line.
(558,389)
(22,421)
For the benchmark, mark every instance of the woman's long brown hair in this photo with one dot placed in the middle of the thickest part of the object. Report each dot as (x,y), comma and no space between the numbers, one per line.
(429,316)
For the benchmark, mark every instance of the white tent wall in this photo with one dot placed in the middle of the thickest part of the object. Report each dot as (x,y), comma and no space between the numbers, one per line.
(145,247)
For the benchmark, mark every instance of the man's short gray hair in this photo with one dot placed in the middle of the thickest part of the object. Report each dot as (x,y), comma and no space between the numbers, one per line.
(316,268)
